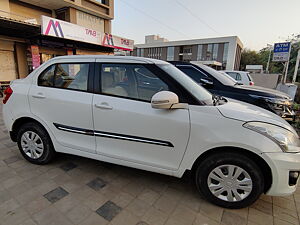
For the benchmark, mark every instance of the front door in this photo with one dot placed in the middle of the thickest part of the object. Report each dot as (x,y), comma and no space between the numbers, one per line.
(127,127)
(62,100)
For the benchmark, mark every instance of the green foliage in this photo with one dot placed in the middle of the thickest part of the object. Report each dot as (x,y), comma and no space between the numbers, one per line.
(296,106)
(250,57)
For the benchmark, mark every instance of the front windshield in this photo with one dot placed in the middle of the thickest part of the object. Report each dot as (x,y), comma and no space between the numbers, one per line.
(224,79)
(189,84)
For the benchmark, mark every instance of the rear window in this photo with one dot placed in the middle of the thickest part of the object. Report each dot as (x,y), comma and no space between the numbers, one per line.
(249,77)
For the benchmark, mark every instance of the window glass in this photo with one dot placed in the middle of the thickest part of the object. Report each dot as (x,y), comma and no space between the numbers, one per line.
(193,73)
(209,52)
(132,81)
(215,51)
(249,77)
(238,76)
(189,84)
(148,83)
(199,54)
(170,53)
(47,77)
(233,75)
(72,76)
(225,53)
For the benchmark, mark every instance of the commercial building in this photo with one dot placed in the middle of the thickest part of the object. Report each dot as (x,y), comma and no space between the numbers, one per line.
(33,31)
(220,53)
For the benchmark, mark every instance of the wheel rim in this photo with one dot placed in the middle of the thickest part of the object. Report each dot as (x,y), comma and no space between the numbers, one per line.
(32,145)
(229,183)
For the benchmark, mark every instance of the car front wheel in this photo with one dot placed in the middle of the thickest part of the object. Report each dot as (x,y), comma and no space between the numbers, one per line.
(230,180)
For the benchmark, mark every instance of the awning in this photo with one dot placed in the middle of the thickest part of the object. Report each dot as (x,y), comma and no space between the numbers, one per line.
(18,28)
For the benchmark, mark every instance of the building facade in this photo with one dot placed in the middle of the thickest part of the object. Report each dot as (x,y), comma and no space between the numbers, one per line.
(220,53)
(34,31)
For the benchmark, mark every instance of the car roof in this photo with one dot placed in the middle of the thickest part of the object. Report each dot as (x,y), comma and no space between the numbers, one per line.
(131,59)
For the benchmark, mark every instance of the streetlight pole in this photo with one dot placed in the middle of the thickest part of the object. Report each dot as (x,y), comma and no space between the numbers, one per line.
(296,67)
(269,59)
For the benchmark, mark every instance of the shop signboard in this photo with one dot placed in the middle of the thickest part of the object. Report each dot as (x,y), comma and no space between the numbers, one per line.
(63,29)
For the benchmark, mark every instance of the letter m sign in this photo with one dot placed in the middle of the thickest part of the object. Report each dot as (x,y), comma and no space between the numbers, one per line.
(56,27)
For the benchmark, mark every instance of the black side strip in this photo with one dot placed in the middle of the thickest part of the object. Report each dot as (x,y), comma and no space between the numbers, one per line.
(74,129)
(112,135)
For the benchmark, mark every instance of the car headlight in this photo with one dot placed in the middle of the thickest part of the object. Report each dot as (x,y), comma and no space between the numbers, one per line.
(285,139)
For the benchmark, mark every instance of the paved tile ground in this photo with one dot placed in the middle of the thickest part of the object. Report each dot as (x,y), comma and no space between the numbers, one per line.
(75,190)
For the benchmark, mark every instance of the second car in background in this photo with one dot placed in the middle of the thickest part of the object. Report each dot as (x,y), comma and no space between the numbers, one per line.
(242,77)
(222,85)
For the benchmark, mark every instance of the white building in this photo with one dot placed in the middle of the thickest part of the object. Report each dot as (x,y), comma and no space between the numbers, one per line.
(220,52)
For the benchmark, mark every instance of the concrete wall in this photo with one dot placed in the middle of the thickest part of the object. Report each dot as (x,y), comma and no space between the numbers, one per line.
(22,12)
(265,80)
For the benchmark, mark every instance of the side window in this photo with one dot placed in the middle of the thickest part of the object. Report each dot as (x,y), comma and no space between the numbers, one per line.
(132,81)
(238,76)
(72,76)
(47,77)
(148,83)
(193,73)
(233,75)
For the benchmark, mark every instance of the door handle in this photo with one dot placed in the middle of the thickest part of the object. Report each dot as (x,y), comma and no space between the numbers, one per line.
(103,105)
(39,95)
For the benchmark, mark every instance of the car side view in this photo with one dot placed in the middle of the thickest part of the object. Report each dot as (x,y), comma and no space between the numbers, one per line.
(240,76)
(147,114)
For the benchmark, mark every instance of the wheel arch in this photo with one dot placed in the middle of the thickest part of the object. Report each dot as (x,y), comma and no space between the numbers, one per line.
(259,161)
(19,122)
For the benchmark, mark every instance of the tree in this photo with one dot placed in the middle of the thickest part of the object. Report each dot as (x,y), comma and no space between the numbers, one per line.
(249,57)
(274,67)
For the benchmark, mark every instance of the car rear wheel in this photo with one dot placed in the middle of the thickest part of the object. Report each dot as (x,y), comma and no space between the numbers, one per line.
(229,180)
(35,144)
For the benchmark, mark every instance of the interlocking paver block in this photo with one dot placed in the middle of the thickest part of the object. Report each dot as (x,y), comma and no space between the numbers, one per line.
(68,166)
(11,159)
(96,184)
(56,194)
(109,210)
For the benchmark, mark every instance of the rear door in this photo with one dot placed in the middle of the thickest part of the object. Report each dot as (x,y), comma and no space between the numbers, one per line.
(62,98)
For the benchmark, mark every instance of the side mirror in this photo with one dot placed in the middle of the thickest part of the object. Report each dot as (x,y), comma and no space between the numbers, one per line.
(166,100)
(206,82)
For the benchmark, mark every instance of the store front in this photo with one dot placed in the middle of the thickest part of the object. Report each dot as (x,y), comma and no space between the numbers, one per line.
(25,46)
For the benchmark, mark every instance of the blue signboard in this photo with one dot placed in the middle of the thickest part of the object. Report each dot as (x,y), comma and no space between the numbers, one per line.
(281,52)
(282,47)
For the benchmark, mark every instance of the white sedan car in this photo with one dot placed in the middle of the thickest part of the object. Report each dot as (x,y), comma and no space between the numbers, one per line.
(147,114)
(240,76)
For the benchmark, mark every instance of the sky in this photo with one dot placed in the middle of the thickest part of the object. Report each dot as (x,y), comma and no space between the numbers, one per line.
(256,22)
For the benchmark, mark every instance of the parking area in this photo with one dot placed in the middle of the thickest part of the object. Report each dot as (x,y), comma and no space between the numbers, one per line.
(75,190)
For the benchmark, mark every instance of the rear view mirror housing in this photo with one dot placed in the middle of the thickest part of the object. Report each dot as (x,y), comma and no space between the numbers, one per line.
(206,82)
(166,100)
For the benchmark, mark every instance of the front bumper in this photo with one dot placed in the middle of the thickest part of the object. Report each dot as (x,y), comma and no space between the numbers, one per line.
(282,165)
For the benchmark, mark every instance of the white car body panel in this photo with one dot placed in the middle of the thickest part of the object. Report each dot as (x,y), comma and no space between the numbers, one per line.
(139,119)
(192,131)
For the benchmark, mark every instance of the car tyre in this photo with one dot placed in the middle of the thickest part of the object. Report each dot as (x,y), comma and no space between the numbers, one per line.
(35,143)
(229,180)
